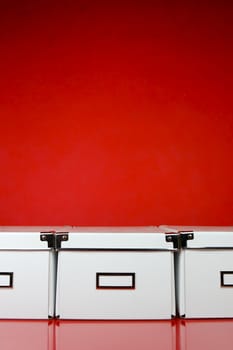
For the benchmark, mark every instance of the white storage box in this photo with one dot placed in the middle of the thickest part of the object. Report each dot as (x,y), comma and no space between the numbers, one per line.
(205,271)
(116,273)
(27,273)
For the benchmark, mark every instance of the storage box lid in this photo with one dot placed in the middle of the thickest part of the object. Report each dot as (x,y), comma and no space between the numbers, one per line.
(101,238)
(26,237)
(205,236)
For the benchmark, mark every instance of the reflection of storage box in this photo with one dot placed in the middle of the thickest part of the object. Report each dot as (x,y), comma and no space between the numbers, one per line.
(204,334)
(27,335)
(205,271)
(120,335)
(27,272)
(116,273)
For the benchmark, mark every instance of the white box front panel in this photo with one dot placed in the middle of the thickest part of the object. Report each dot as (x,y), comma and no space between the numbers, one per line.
(79,295)
(203,293)
(28,296)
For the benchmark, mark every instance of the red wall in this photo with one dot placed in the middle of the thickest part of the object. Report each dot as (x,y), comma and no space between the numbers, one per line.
(116,113)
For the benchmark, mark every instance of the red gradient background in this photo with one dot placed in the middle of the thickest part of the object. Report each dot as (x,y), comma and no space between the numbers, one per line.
(116,112)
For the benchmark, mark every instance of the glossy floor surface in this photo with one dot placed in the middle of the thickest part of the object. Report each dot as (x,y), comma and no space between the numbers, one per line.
(106,335)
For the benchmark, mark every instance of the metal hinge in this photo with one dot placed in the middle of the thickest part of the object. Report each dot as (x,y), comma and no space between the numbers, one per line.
(48,237)
(180,239)
(173,238)
(61,237)
(54,239)
(184,237)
